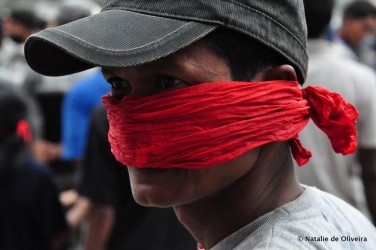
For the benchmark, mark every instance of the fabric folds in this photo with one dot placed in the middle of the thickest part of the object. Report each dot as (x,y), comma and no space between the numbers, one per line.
(211,123)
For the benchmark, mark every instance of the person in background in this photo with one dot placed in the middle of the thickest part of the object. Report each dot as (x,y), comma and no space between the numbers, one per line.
(52,88)
(334,173)
(13,64)
(205,111)
(77,107)
(76,111)
(17,27)
(359,23)
(31,216)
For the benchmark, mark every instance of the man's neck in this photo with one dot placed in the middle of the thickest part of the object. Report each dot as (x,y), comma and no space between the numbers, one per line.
(269,185)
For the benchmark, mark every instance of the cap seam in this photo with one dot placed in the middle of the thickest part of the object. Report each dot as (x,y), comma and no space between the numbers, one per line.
(133,50)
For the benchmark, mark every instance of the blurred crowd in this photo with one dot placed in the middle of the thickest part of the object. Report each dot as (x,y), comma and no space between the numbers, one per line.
(60,186)
(72,202)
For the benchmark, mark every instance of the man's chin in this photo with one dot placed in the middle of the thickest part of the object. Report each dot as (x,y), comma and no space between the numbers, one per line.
(149,196)
(152,187)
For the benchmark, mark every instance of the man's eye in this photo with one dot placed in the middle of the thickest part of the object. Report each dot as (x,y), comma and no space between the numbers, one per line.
(168,82)
(118,83)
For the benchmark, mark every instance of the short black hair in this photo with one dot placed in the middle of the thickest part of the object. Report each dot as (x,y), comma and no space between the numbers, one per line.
(359,10)
(318,15)
(245,56)
(28,18)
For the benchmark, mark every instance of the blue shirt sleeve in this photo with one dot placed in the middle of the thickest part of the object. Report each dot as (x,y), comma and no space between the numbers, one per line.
(77,106)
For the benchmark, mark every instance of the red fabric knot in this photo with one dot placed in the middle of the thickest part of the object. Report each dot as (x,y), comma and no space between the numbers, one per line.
(23,130)
(300,154)
(334,116)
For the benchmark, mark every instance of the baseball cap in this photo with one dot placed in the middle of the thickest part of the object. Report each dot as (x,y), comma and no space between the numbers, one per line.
(133,32)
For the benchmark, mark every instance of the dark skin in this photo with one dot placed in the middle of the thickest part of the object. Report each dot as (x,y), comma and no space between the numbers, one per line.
(354,31)
(238,191)
(101,221)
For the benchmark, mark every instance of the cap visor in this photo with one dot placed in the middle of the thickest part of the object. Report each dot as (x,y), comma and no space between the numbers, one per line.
(113,38)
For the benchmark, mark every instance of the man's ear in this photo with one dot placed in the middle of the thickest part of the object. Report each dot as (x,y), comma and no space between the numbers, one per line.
(282,72)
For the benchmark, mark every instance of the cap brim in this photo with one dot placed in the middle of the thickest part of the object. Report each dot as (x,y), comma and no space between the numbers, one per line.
(113,38)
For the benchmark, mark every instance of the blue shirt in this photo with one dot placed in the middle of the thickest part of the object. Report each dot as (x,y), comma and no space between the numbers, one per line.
(78,104)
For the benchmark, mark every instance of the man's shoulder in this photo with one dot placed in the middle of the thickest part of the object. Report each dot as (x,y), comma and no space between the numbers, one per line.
(309,222)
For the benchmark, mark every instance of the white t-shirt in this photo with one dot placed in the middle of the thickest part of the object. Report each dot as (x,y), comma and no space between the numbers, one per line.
(331,172)
(315,220)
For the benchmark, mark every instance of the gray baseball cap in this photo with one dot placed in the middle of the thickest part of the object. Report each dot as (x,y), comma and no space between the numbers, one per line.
(133,32)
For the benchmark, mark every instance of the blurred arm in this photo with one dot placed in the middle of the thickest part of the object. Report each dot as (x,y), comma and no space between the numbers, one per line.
(79,212)
(101,221)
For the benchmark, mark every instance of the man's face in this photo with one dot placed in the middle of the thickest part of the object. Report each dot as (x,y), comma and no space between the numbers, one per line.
(15,30)
(356,30)
(172,187)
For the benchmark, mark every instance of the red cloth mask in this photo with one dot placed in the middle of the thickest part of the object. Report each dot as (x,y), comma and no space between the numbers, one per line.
(212,123)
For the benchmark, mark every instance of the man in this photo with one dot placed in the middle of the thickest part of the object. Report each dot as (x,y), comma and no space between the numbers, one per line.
(31,216)
(334,173)
(359,22)
(17,27)
(77,107)
(49,90)
(76,110)
(197,139)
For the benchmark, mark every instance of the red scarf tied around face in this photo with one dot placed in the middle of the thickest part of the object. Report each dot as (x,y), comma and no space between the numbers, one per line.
(211,123)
